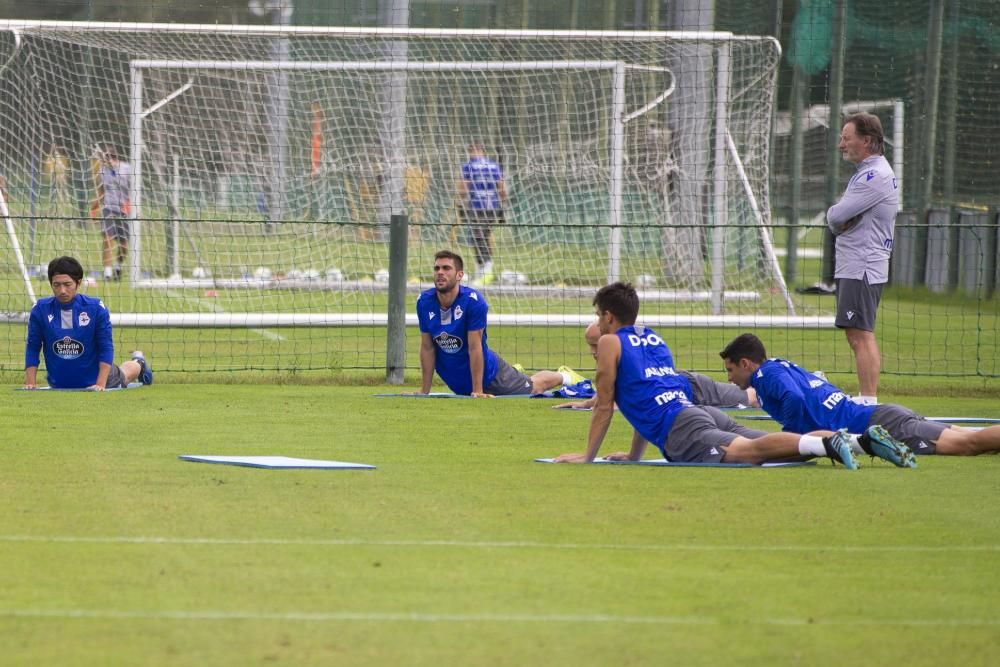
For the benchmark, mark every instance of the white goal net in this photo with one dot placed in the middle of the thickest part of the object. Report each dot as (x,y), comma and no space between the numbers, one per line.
(266,164)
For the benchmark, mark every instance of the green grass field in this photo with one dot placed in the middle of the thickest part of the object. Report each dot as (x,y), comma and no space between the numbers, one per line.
(458,549)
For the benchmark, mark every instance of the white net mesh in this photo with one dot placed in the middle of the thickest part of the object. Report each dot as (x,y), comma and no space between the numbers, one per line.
(274,159)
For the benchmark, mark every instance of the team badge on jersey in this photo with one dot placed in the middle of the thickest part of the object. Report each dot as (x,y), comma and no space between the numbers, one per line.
(67,348)
(448,343)
(84,319)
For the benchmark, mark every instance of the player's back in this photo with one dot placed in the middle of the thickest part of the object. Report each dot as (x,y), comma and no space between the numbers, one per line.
(648,390)
(823,407)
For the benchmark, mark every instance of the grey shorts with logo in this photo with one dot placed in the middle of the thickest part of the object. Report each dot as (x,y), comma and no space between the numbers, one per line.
(908,427)
(699,432)
(508,381)
(857,303)
(716,394)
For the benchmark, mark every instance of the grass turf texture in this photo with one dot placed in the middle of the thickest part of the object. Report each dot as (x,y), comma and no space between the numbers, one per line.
(459,549)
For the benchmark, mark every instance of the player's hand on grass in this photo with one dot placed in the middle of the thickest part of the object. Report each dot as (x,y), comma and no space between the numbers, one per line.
(482,394)
(31,386)
(95,387)
(571,458)
(574,405)
(618,456)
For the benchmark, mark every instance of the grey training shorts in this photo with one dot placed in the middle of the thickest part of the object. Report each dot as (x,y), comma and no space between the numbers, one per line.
(116,379)
(908,427)
(116,226)
(508,381)
(707,391)
(857,303)
(700,432)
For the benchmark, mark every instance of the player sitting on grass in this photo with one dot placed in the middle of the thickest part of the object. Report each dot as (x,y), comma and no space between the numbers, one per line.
(452,321)
(704,390)
(74,331)
(636,370)
(797,400)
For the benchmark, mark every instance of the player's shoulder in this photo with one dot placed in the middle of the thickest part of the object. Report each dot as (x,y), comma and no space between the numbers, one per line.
(471,295)
(44,303)
(427,294)
(91,302)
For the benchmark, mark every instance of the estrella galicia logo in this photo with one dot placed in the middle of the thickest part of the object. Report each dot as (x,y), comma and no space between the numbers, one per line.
(448,343)
(67,348)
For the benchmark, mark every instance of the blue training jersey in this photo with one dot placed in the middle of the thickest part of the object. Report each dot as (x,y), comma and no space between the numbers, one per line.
(75,339)
(802,402)
(449,329)
(481,176)
(648,390)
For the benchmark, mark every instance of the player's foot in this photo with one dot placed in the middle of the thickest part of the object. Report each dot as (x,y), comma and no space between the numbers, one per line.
(573,375)
(876,441)
(108,273)
(838,448)
(145,372)
(519,368)
(118,273)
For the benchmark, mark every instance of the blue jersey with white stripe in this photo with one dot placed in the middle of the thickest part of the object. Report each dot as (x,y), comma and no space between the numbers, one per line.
(802,402)
(648,390)
(482,177)
(449,329)
(75,339)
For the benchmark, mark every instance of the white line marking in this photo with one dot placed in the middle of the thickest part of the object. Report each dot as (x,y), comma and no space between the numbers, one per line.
(212,541)
(213,307)
(417,617)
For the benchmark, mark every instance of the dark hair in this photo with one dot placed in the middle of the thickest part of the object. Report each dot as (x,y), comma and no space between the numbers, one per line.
(448,254)
(620,300)
(868,125)
(745,346)
(67,266)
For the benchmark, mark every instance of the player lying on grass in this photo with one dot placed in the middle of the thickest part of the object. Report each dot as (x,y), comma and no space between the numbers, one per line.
(636,370)
(704,390)
(452,320)
(799,400)
(74,331)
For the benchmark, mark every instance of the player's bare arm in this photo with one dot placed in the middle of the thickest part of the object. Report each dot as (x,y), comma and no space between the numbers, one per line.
(427,354)
(477,364)
(639,444)
(31,377)
(609,350)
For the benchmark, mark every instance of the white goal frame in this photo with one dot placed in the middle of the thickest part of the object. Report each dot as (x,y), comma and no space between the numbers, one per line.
(619,118)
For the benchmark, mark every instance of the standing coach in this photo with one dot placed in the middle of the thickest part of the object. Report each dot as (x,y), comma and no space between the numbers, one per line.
(863,223)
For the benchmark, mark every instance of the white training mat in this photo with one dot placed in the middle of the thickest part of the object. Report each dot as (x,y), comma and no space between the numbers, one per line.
(663,463)
(275,462)
(131,385)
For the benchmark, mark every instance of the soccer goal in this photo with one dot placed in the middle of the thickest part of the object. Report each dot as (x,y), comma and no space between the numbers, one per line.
(267,162)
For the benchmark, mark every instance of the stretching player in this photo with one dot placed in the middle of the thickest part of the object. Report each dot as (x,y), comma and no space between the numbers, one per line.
(452,320)
(797,400)
(74,331)
(704,390)
(636,370)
